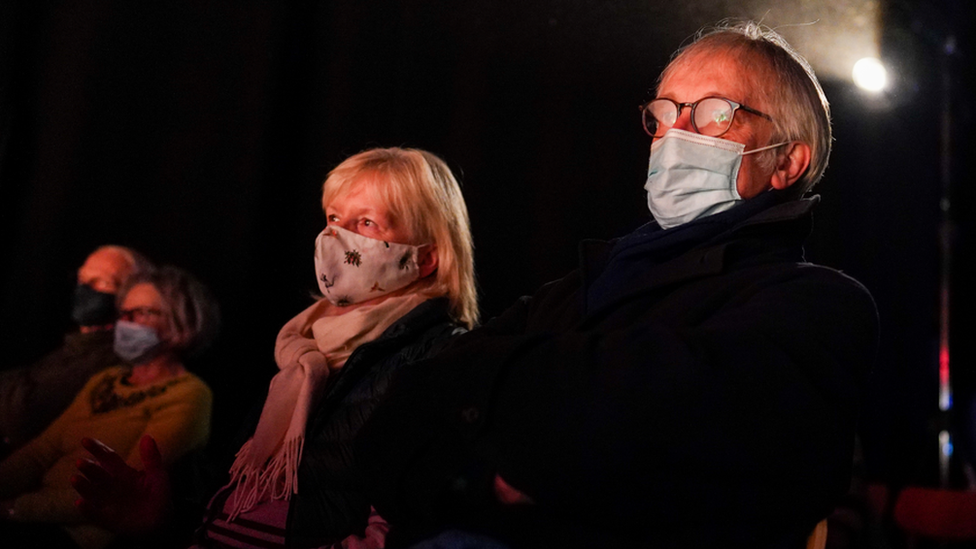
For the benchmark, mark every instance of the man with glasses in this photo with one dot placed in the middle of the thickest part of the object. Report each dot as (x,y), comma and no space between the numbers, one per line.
(32,397)
(693,384)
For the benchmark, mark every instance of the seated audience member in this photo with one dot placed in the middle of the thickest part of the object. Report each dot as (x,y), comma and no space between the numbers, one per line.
(164,316)
(395,264)
(694,384)
(31,397)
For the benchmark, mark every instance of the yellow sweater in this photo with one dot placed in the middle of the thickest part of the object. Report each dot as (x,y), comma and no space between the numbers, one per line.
(176,412)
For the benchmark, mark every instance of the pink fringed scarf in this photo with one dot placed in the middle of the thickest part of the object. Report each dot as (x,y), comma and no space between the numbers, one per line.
(266,467)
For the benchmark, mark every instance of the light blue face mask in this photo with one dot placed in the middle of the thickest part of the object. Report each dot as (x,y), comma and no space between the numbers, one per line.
(691,176)
(136,343)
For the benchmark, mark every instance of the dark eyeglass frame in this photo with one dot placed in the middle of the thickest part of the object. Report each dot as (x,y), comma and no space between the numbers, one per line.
(736,106)
(130,315)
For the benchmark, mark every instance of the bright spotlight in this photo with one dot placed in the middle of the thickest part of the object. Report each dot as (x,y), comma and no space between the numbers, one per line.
(869,74)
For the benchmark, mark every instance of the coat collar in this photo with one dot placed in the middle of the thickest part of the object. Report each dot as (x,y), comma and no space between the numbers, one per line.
(777,231)
(422,318)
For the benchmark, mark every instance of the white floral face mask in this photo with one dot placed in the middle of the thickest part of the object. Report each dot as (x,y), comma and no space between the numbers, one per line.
(352,268)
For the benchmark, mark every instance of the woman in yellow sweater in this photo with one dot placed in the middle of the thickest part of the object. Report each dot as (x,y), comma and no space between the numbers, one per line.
(164,317)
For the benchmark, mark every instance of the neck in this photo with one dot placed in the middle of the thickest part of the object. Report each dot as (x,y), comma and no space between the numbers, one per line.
(160,368)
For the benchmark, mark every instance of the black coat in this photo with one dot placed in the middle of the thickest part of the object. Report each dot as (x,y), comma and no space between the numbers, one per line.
(333,503)
(338,505)
(696,387)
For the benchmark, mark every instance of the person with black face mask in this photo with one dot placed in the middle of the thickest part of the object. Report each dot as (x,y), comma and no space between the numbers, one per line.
(165,317)
(31,397)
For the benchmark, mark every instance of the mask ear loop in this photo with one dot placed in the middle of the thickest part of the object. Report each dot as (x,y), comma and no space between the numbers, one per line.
(766,148)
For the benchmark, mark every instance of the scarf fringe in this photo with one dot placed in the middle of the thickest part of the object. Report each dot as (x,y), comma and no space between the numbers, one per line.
(266,467)
(277,480)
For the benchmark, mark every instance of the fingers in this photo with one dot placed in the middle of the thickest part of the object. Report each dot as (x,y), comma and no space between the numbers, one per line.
(96,486)
(86,507)
(104,455)
(85,488)
(94,472)
(152,459)
(510,495)
(96,447)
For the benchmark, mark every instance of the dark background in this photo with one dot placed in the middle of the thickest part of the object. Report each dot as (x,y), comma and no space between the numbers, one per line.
(200,132)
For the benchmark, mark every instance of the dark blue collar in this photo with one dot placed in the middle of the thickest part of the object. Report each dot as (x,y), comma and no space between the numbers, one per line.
(651,245)
(651,238)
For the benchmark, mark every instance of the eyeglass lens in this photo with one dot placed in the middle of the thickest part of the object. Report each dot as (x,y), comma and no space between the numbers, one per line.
(712,116)
(139,313)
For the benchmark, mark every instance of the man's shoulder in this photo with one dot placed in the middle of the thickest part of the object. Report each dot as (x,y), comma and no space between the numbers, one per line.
(837,299)
(801,273)
(838,280)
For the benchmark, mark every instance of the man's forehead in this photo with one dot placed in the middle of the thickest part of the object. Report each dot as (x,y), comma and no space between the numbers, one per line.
(106,260)
(708,74)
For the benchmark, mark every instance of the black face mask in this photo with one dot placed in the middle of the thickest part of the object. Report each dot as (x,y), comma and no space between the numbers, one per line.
(92,308)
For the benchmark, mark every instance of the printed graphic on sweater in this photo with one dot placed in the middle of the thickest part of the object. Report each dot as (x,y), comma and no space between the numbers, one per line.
(104,397)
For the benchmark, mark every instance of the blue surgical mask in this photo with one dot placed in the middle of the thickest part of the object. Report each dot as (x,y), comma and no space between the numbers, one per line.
(690,175)
(91,307)
(136,343)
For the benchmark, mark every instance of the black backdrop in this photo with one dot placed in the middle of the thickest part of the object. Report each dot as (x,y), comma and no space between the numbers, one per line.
(200,132)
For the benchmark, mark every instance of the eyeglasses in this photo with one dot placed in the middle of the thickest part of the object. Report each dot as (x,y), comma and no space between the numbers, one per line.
(711,116)
(139,314)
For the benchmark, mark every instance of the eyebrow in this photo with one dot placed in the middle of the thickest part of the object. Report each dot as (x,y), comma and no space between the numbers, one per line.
(357,211)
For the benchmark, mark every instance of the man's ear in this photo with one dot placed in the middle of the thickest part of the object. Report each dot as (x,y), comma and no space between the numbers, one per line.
(790,165)
(427,260)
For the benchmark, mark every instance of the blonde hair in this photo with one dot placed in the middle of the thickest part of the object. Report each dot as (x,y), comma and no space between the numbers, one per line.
(781,78)
(421,193)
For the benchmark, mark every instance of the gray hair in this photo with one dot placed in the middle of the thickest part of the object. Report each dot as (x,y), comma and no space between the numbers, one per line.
(782,78)
(193,313)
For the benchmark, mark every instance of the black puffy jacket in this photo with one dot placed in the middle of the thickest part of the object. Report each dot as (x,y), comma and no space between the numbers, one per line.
(338,506)
(332,503)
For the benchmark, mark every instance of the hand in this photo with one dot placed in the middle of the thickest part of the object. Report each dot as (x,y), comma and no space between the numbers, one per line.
(509,495)
(118,497)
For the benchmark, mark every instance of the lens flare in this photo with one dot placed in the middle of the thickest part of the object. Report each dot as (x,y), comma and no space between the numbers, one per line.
(869,74)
